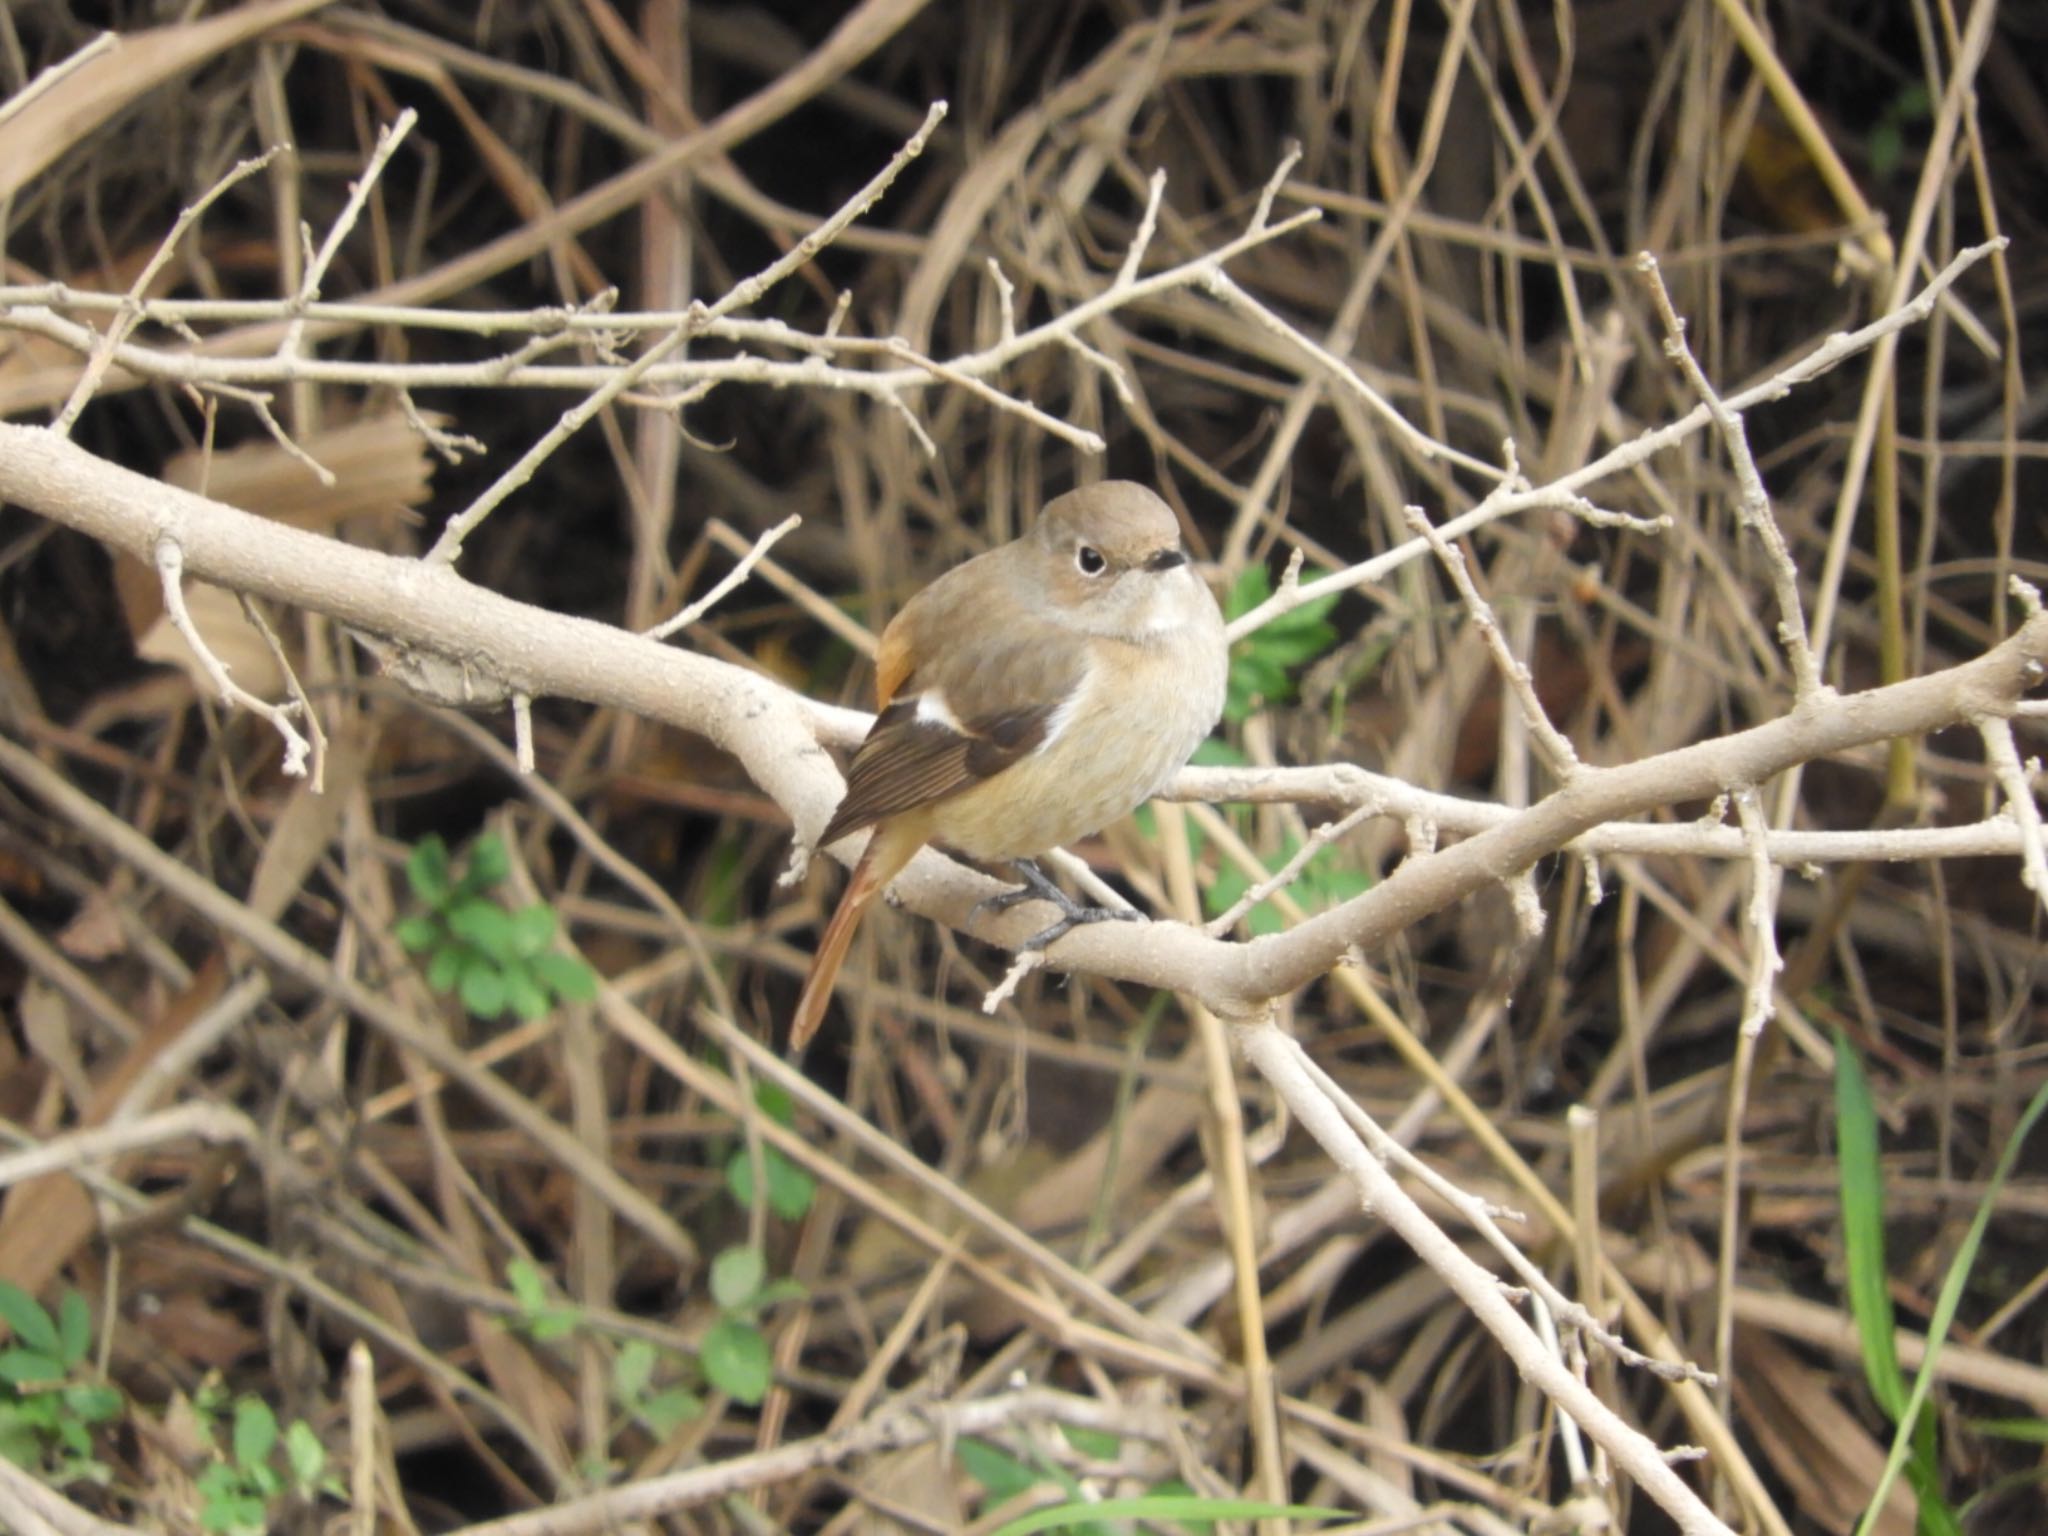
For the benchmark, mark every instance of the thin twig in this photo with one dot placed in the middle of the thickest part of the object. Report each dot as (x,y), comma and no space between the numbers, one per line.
(1754,506)
(129,313)
(170,567)
(1284,1064)
(68,1153)
(448,548)
(2001,752)
(1321,838)
(1556,747)
(692,612)
(389,137)
(56,74)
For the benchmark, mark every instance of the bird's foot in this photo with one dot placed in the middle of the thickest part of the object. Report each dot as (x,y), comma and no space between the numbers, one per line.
(1038,886)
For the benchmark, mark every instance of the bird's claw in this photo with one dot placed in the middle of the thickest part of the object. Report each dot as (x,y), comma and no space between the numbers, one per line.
(1038,886)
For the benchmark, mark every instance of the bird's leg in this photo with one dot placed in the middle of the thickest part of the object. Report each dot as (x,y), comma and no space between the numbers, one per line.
(1039,886)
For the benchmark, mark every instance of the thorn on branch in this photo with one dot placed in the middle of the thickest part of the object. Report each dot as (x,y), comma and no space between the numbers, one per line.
(522,732)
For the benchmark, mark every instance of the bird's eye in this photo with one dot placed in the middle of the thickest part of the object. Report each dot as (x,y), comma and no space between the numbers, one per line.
(1089,559)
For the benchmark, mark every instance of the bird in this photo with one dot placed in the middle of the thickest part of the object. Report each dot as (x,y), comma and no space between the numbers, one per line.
(1025,698)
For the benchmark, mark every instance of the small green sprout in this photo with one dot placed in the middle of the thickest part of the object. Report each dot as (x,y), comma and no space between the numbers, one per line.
(494,959)
(241,1489)
(49,1403)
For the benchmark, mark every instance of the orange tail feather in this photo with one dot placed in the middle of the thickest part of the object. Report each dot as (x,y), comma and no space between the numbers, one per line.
(878,865)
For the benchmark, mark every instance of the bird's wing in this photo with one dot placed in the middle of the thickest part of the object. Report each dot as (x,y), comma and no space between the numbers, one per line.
(950,721)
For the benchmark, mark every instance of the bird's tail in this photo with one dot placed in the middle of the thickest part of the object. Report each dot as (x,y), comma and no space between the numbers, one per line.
(884,857)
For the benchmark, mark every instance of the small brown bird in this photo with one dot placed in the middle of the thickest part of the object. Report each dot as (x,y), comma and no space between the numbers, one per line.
(1029,697)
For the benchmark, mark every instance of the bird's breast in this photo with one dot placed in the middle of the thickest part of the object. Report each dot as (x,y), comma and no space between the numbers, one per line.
(1141,709)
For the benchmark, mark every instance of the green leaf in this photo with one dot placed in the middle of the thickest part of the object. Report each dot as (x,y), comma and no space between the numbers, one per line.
(483,988)
(2027,1431)
(1002,1475)
(1333,884)
(93,1402)
(776,1292)
(29,1367)
(1230,883)
(479,921)
(1218,753)
(217,1482)
(735,1360)
(569,977)
(42,1411)
(1288,649)
(775,1101)
(664,1411)
(1861,1180)
(632,1371)
(1161,1507)
(552,1323)
(523,993)
(1960,1265)
(1311,618)
(426,871)
(739,1176)
(21,1445)
(74,1328)
(1262,663)
(1176,1488)
(255,1433)
(790,1189)
(1861,1175)
(1252,587)
(225,1505)
(528,1288)
(1095,1444)
(210,1401)
(736,1276)
(1323,882)
(533,929)
(1224,893)
(24,1315)
(543,1318)
(488,862)
(444,966)
(416,932)
(304,1453)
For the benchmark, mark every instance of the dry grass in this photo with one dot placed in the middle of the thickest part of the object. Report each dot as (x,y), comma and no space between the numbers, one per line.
(1069,1211)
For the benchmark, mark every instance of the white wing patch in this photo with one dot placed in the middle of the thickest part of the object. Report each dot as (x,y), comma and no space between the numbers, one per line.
(1063,715)
(932,709)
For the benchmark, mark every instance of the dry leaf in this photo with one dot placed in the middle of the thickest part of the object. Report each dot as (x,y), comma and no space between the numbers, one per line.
(381,470)
(1817,1445)
(301,834)
(95,933)
(47,1025)
(379,463)
(90,95)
